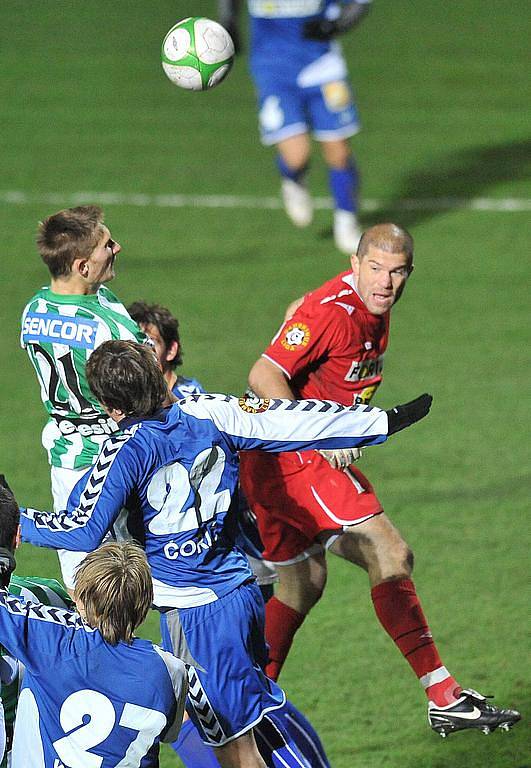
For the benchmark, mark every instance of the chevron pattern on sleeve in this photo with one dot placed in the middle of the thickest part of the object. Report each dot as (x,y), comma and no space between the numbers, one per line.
(42,612)
(68,521)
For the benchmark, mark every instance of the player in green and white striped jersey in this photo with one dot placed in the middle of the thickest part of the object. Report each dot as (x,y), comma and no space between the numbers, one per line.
(61,325)
(32,589)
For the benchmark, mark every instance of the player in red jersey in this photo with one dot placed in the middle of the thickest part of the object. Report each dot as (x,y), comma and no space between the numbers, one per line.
(332,348)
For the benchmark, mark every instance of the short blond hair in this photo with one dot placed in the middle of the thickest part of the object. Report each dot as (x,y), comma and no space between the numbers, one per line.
(387,237)
(114,585)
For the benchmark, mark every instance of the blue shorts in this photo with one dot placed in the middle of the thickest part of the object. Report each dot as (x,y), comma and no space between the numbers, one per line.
(229,693)
(286,109)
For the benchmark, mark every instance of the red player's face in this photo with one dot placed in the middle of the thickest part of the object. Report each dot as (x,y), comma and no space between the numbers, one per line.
(380,278)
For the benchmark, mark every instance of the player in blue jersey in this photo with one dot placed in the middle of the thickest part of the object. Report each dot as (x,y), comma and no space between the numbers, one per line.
(92,694)
(180,466)
(162,328)
(31,589)
(302,86)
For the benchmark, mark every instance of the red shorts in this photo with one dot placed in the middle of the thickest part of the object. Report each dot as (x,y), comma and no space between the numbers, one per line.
(297,496)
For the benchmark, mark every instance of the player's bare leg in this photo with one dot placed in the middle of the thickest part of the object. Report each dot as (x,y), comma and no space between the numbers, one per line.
(293,159)
(240,753)
(343,180)
(377,546)
(299,588)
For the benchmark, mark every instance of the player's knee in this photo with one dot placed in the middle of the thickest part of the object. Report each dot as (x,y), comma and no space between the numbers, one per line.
(337,154)
(316,589)
(311,592)
(403,559)
(301,595)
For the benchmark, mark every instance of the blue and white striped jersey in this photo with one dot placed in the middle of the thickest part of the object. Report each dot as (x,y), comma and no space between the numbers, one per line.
(180,467)
(85,703)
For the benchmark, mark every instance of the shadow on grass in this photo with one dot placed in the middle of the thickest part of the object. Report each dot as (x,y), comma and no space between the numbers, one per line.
(467,173)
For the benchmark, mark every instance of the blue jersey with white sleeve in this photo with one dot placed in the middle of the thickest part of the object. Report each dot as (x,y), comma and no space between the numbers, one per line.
(181,468)
(84,702)
(277,35)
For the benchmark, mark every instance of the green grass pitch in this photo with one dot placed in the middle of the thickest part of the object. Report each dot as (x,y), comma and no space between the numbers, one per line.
(87,109)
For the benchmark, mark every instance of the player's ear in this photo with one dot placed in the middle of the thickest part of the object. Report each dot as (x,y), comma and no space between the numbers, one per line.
(81,267)
(172,351)
(114,413)
(355,264)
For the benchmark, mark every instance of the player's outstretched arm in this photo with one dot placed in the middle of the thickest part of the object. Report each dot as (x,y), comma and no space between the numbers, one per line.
(402,416)
(349,16)
(31,632)
(290,425)
(93,505)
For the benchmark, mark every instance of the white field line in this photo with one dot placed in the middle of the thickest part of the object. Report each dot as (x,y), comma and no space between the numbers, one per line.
(19,197)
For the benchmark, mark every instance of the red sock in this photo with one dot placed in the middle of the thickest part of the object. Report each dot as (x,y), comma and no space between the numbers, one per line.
(281,624)
(400,613)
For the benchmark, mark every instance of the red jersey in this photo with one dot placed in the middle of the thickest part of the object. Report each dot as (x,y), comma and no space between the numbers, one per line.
(333,347)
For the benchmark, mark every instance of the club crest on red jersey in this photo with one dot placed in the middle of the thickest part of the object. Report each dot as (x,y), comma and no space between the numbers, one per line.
(254,404)
(296,335)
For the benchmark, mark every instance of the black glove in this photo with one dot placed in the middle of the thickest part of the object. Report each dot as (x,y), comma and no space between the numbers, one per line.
(349,17)
(402,416)
(4,483)
(7,565)
(320,29)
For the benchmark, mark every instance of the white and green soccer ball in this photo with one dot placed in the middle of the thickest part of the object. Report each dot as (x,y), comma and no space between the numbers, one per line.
(197,53)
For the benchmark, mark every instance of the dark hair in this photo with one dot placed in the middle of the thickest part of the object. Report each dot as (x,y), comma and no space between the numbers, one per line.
(69,235)
(161,317)
(387,237)
(9,519)
(126,376)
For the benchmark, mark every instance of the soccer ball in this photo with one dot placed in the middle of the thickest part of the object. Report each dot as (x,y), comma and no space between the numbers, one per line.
(197,53)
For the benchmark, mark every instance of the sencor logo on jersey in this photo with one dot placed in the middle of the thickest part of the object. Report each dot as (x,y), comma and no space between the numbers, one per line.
(77,332)
(254,404)
(296,335)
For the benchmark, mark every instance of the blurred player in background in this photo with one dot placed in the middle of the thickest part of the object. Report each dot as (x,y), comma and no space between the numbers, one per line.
(307,502)
(61,325)
(32,589)
(302,85)
(181,465)
(92,693)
